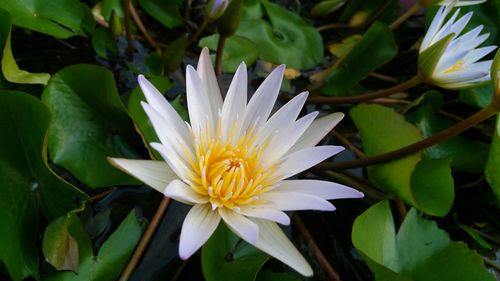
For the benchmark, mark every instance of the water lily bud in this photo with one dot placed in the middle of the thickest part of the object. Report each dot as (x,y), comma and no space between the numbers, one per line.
(230,20)
(449,59)
(215,8)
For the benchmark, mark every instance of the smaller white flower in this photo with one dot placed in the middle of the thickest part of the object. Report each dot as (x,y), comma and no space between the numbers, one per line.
(449,60)
(215,8)
(459,3)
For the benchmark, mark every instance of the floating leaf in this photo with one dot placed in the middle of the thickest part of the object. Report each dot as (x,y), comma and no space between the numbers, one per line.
(226,255)
(112,256)
(288,39)
(236,50)
(376,47)
(10,70)
(425,184)
(276,276)
(167,14)
(466,155)
(479,96)
(89,124)
(420,250)
(27,185)
(58,18)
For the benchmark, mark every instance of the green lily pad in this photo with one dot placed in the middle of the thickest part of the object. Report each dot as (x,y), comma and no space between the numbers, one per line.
(236,50)
(227,255)
(10,70)
(89,124)
(113,254)
(288,39)
(58,18)
(466,154)
(376,47)
(424,184)
(28,187)
(419,251)
(479,96)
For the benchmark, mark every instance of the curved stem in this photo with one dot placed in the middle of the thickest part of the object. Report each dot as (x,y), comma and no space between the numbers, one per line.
(410,12)
(146,237)
(368,96)
(446,134)
(142,28)
(218,56)
(130,47)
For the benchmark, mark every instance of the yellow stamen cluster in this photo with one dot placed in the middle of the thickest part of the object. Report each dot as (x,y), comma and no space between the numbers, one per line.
(456,67)
(229,171)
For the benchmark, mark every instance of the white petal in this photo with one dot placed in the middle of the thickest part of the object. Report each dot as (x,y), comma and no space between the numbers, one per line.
(478,54)
(243,227)
(460,24)
(198,226)
(469,2)
(306,158)
(285,116)
(285,139)
(207,75)
(235,102)
(294,201)
(273,241)
(182,192)
(456,77)
(265,213)
(163,107)
(156,174)
(436,24)
(324,189)
(173,159)
(317,131)
(199,107)
(167,133)
(262,102)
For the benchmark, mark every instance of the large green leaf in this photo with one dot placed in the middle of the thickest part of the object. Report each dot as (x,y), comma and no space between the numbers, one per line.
(236,50)
(425,184)
(492,170)
(420,250)
(377,47)
(167,14)
(288,39)
(466,154)
(89,124)
(227,255)
(479,96)
(10,70)
(27,186)
(112,256)
(59,18)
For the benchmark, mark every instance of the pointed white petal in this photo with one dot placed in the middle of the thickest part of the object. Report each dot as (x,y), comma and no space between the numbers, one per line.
(284,140)
(436,24)
(294,201)
(306,158)
(459,76)
(243,227)
(273,241)
(207,75)
(235,102)
(324,189)
(199,107)
(478,54)
(182,192)
(265,213)
(285,116)
(156,174)
(174,160)
(460,24)
(262,102)
(168,134)
(163,107)
(317,131)
(198,226)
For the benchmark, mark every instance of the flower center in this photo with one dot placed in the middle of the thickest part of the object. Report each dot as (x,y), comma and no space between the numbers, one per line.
(456,67)
(229,172)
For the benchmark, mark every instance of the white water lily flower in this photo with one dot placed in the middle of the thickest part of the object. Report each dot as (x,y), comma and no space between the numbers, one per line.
(231,162)
(452,61)
(459,3)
